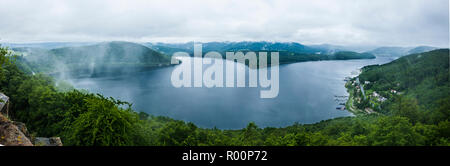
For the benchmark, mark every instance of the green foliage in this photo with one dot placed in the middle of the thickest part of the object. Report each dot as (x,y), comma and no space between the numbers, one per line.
(407,107)
(177,133)
(4,60)
(103,123)
(250,135)
(394,131)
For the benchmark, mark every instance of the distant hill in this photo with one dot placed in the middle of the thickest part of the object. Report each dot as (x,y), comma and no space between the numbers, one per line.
(110,53)
(288,57)
(169,49)
(290,52)
(111,56)
(238,46)
(421,49)
(400,51)
(288,47)
(331,49)
(390,51)
(98,58)
(46,45)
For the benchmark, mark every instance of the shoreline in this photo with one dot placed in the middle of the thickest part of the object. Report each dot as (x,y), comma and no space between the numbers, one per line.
(350,101)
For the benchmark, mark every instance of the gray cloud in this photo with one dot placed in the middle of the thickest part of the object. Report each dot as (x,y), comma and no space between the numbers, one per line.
(345,22)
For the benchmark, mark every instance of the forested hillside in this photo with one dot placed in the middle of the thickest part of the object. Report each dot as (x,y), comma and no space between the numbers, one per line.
(400,51)
(92,59)
(289,52)
(82,118)
(423,76)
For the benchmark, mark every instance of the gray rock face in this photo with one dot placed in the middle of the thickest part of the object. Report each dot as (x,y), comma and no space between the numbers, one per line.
(3,100)
(16,134)
(11,135)
(52,141)
(22,127)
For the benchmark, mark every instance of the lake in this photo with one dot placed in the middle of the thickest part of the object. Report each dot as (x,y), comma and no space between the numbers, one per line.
(306,95)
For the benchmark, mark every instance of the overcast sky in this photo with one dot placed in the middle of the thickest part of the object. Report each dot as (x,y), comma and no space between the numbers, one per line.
(342,22)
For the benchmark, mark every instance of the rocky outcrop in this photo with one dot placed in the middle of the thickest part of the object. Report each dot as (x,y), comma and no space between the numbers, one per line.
(3,101)
(22,127)
(11,134)
(52,141)
(16,134)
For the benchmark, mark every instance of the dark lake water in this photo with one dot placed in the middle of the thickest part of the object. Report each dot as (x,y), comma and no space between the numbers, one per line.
(307,95)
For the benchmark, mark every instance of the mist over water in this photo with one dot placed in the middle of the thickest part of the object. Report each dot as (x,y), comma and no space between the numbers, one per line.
(307,95)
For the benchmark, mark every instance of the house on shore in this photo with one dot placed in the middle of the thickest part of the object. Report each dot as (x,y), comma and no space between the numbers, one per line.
(378,97)
(361,87)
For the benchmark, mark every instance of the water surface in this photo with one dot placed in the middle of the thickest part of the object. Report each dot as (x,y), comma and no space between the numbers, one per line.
(307,95)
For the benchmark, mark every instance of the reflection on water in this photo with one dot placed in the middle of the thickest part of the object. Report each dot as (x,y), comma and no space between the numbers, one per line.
(307,95)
